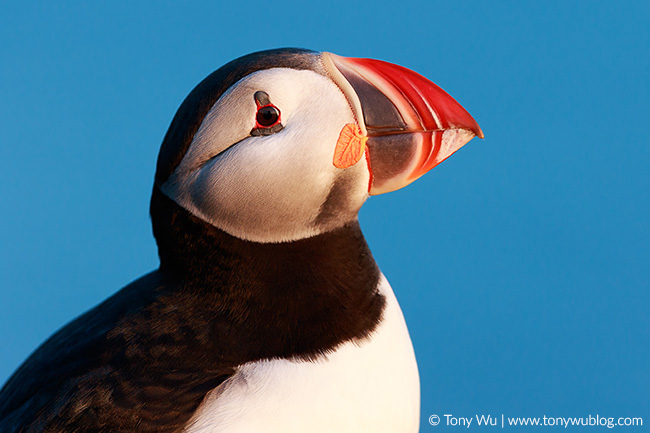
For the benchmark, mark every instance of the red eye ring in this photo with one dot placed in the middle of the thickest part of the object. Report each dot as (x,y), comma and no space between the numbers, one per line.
(267,116)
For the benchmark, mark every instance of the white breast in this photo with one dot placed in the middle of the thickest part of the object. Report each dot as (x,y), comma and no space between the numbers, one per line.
(369,387)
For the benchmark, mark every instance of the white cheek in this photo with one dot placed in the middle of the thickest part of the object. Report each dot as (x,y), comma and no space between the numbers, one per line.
(272,188)
(229,121)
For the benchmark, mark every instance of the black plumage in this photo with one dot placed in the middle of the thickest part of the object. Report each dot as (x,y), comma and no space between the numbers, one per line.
(144,359)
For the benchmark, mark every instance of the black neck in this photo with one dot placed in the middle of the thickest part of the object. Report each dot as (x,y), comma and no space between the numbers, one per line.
(299,298)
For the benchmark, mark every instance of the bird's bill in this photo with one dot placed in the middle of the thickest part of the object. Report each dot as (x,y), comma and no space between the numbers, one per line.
(409,124)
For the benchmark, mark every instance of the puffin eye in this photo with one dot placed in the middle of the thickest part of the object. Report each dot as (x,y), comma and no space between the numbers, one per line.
(267,116)
(267,119)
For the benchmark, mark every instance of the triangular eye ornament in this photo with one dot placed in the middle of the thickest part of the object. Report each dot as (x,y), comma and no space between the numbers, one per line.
(267,118)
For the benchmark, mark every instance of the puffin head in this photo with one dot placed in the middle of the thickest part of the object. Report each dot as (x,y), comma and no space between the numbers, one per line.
(286,144)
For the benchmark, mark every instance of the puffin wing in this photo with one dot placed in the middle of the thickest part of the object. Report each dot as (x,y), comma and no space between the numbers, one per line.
(126,365)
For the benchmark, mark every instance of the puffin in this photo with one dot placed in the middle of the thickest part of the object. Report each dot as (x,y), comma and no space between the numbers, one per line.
(268,311)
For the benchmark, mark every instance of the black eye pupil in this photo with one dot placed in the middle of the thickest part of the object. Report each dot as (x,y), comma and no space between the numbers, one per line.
(267,116)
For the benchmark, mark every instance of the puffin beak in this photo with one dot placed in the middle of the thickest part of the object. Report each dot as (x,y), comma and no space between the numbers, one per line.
(409,125)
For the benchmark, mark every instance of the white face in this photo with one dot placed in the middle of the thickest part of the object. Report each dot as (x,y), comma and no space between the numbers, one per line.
(278,187)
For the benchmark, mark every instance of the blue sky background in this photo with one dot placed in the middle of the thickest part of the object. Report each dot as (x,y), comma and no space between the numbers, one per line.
(521,263)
